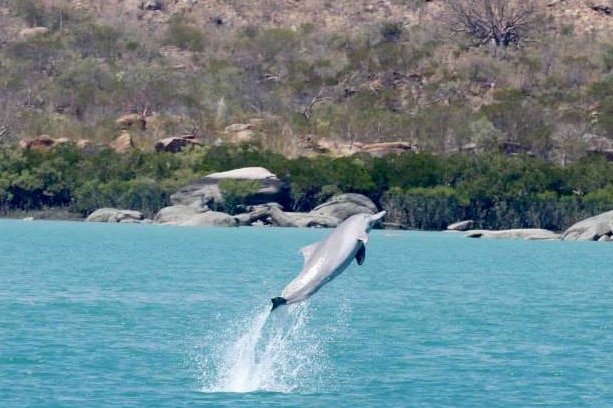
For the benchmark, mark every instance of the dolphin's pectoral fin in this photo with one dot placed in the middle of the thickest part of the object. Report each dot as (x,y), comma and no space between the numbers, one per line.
(277,301)
(308,250)
(363,237)
(361,255)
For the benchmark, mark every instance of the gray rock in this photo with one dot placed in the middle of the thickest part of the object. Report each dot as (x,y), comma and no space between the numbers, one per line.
(211,219)
(205,191)
(176,214)
(343,206)
(258,214)
(175,144)
(184,215)
(591,229)
(461,226)
(312,220)
(151,5)
(268,214)
(114,215)
(520,233)
(280,218)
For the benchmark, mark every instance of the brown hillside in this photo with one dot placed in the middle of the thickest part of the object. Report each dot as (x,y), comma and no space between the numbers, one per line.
(301,74)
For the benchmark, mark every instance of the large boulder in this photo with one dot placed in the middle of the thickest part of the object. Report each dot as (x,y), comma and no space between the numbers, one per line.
(259,214)
(280,218)
(311,220)
(122,143)
(240,133)
(191,216)
(114,215)
(175,214)
(28,33)
(591,229)
(343,206)
(206,191)
(41,142)
(210,219)
(461,225)
(520,233)
(175,144)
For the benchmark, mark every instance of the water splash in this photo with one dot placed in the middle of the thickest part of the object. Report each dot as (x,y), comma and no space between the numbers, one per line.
(279,352)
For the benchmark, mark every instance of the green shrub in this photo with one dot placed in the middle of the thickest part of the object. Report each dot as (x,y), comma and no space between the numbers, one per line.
(236,192)
(423,208)
(184,35)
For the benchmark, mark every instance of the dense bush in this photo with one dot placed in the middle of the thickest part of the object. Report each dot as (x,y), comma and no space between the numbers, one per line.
(184,35)
(418,190)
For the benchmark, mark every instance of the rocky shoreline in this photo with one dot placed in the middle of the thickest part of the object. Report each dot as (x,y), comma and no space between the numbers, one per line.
(198,204)
(597,228)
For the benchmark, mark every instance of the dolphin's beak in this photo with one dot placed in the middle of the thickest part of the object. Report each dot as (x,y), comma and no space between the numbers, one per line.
(377,217)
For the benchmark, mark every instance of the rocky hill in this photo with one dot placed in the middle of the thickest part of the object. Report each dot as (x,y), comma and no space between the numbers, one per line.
(306,76)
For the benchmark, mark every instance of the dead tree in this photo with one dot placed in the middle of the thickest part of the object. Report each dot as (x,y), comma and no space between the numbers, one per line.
(307,109)
(499,22)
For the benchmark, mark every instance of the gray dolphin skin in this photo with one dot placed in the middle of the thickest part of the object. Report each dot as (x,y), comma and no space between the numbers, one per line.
(326,259)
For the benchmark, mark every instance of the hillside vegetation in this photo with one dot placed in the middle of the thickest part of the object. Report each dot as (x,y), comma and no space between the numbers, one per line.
(525,82)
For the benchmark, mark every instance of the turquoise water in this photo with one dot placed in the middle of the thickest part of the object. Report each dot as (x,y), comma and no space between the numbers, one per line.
(104,315)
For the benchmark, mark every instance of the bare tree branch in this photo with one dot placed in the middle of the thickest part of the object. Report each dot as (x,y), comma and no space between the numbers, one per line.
(502,22)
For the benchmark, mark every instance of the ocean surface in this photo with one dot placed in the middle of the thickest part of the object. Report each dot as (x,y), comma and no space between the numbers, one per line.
(98,315)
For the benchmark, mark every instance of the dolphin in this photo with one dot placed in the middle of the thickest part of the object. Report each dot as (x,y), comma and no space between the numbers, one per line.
(324,260)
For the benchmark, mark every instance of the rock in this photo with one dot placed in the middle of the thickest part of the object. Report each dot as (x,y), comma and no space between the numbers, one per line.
(521,233)
(151,5)
(33,32)
(461,226)
(341,148)
(205,191)
(343,206)
(128,121)
(240,133)
(591,229)
(175,214)
(312,220)
(238,127)
(601,8)
(336,148)
(267,214)
(175,144)
(42,142)
(122,143)
(191,216)
(114,215)
(258,214)
(83,143)
(382,149)
(210,219)
(280,218)
(599,145)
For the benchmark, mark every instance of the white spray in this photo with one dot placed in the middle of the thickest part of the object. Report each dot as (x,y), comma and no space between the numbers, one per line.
(277,352)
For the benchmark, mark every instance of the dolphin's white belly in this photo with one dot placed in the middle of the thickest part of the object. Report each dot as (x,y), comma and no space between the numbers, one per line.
(323,266)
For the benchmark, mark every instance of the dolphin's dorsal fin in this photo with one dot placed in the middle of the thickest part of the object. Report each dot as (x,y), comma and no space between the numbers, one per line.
(308,250)
(361,255)
(363,237)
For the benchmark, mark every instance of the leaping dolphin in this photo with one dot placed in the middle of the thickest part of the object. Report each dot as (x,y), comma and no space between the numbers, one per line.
(326,259)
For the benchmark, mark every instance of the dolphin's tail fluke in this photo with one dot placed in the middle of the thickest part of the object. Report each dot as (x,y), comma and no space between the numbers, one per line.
(276,302)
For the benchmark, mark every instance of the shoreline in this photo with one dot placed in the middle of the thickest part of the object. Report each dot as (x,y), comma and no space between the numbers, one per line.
(589,229)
